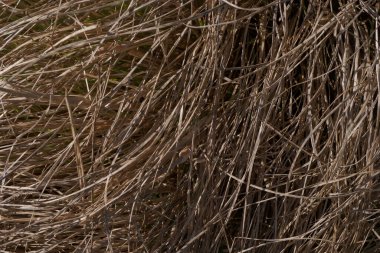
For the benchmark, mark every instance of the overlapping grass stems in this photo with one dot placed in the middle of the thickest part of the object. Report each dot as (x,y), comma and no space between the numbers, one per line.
(189,126)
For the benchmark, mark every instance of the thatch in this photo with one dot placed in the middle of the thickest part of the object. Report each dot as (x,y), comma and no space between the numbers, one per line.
(190,126)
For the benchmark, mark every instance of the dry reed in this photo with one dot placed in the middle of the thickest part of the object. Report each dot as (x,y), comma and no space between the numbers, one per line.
(190,126)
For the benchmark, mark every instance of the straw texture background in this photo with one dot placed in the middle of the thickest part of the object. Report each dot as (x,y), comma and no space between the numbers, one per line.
(190,126)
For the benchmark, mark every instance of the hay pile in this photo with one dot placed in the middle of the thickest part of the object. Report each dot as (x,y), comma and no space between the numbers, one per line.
(190,126)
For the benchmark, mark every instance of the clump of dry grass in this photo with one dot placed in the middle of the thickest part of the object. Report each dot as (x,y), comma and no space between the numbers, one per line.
(189,126)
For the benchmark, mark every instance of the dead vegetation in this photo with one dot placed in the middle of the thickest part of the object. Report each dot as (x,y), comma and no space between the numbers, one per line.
(189,126)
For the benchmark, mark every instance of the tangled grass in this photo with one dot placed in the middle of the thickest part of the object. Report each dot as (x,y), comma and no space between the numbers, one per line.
(190,126)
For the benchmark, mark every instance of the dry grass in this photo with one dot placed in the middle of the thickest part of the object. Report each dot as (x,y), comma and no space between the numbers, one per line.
(190,126)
